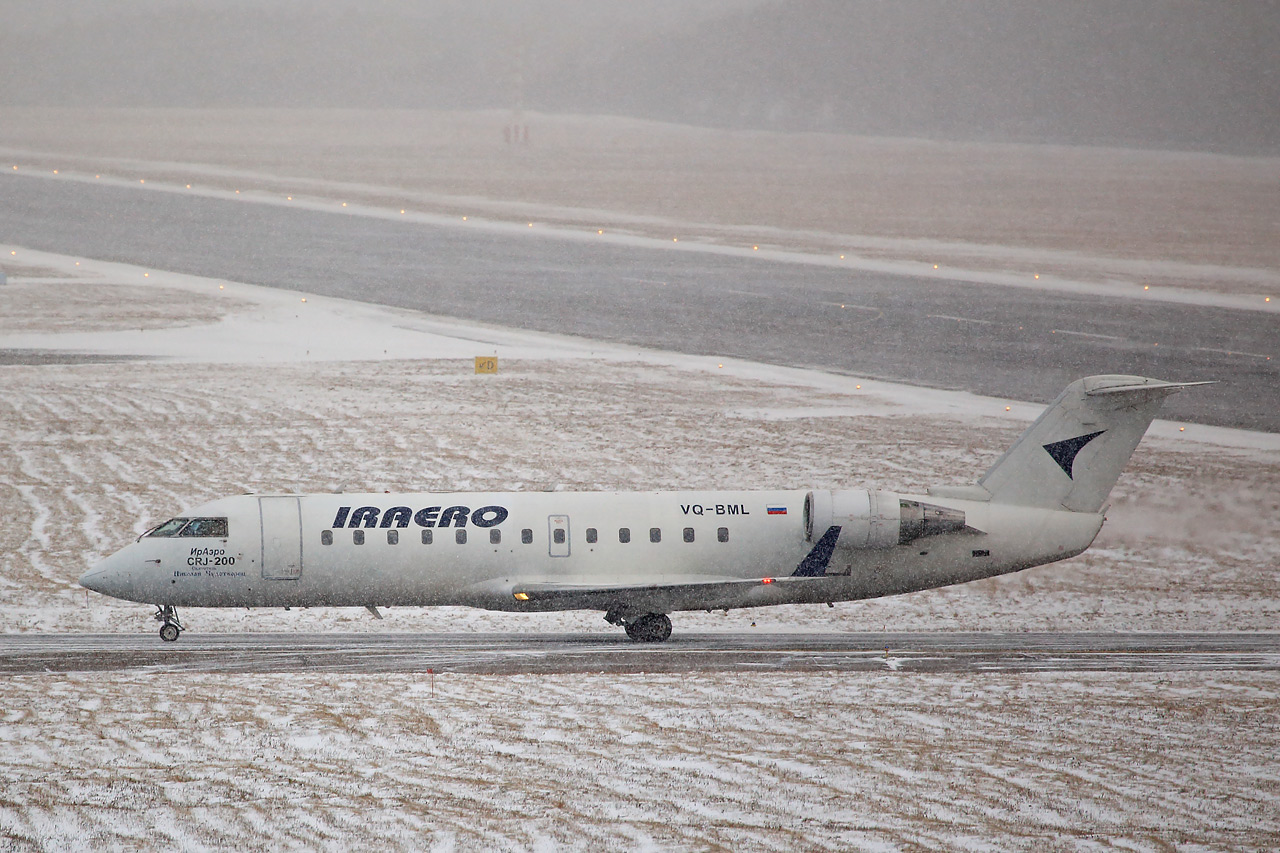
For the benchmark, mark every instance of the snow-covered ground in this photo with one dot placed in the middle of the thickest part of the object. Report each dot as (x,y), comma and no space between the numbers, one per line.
(231,388)
(773,762)
(234,388)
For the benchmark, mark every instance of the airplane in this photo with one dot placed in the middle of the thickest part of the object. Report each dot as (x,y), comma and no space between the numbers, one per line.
(640,556)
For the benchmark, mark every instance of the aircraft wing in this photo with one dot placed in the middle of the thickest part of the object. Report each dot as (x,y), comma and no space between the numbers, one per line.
(685,593)
(695,593)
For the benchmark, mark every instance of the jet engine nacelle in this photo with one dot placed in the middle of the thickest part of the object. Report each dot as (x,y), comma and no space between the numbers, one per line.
(875,519)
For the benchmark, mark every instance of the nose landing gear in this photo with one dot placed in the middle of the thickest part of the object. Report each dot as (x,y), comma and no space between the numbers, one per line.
(170,627)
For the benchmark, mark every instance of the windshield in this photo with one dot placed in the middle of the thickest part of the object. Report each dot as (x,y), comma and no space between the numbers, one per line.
(205,527)
(216,527)
(169,528)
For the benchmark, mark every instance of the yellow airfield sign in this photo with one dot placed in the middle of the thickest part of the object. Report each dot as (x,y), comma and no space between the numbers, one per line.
(486,364)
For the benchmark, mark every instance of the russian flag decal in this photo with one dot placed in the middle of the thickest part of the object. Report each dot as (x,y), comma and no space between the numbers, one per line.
(777,510)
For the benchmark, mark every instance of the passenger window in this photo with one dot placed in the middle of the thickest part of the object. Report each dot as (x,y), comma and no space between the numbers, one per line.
(591,536)
(557,536)
(655,534)
(688,534)
(495,537)
(357,537)
(722,534)
(624,534)
(393,537)
(426,537)
(526,536)
(326,537)
(169,528)
(460,537)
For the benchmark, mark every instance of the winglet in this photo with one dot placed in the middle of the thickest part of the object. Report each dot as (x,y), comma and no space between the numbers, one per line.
(814,564)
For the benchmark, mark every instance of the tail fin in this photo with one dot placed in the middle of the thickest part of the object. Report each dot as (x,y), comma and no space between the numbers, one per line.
(1073,454)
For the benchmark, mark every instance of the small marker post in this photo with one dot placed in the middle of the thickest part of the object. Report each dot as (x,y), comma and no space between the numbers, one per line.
(432,673)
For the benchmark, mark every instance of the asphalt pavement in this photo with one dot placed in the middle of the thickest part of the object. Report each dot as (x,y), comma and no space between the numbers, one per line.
(943,652)
(1004,342)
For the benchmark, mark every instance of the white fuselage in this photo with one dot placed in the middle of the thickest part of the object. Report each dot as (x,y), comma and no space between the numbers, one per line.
(639,556)
(684,550)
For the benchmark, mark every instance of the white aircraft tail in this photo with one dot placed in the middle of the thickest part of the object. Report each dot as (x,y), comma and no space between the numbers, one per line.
(1073,454)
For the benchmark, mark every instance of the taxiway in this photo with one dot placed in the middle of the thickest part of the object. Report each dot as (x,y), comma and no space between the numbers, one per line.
(992,340)
(501,654)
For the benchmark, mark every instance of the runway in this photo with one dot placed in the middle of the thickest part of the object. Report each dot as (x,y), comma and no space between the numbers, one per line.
(503,654)
(998,341)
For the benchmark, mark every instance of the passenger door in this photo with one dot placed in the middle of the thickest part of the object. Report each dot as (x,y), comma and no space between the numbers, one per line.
(281,538)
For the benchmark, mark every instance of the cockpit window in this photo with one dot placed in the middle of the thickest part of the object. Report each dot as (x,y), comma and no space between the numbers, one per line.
(191,527)
(205,527)
(169,528)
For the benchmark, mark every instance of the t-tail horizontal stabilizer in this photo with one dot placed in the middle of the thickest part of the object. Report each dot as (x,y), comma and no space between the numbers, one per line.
(1073,454)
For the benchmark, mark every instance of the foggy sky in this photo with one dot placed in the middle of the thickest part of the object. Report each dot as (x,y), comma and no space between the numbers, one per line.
(1151,73)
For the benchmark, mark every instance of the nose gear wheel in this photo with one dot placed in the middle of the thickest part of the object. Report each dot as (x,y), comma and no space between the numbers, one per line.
(170,627)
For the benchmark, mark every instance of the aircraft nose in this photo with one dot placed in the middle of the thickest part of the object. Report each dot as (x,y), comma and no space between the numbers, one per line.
(108,578)
(94,578)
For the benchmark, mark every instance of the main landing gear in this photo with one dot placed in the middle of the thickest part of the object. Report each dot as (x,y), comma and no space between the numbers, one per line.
(644,627)
(170,627)
(650,628)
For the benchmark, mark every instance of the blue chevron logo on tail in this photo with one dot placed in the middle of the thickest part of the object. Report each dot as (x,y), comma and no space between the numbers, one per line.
(1064,452)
